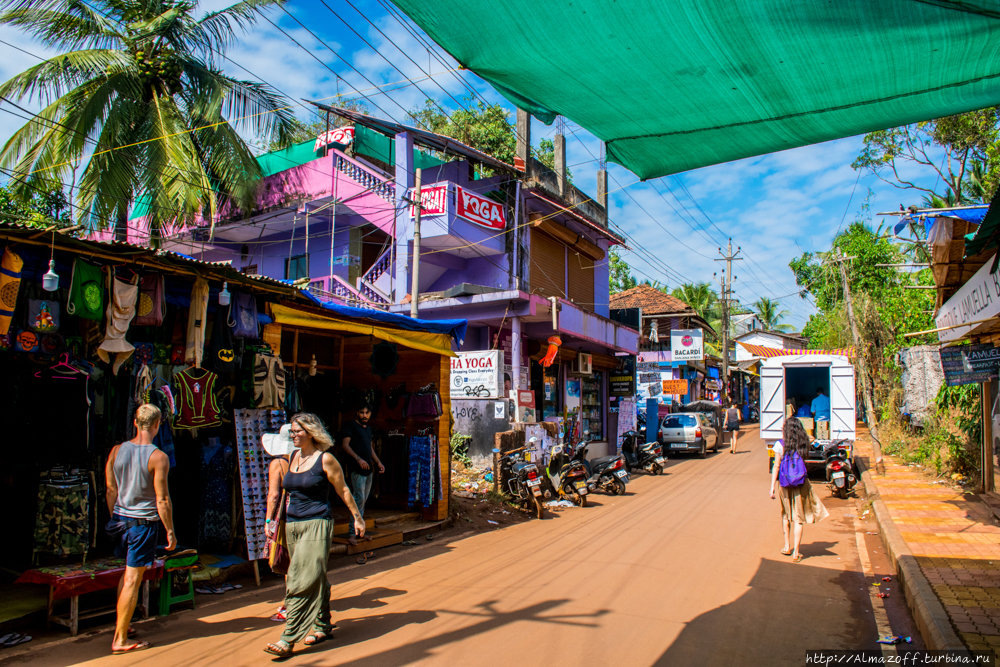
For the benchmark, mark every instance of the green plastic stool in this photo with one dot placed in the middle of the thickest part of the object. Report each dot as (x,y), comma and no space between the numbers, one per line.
(167,597)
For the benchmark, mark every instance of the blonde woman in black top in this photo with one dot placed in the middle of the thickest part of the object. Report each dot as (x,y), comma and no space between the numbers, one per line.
(312,472)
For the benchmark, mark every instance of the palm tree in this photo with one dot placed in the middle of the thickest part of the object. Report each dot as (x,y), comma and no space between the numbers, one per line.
(702,300)
(137,95)
(770,315)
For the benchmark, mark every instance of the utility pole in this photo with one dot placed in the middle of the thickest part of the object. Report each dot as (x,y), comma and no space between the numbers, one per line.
(862,365)
(418,207)
(726,290)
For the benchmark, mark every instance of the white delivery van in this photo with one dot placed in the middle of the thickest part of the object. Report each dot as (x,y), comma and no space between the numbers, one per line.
(798,377)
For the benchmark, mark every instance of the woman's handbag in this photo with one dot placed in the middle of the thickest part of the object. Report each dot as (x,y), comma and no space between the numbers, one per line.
(278,556)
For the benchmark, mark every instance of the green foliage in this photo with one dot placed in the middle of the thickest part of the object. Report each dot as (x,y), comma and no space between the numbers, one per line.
(771,314)
(620,276)
(460,448)
(43,207)
(144,80)
(962,150)
(546,154)
(703,300)
(484,127)
(965,400)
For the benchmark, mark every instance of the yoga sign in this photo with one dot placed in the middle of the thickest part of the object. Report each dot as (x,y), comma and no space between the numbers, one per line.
(480,210)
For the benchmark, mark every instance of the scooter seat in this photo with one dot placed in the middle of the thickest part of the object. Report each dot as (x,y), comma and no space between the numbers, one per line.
(602,462)
(521,465)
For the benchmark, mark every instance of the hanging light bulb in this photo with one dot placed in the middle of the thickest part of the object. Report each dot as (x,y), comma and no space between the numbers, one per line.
(224,295)
(50,281)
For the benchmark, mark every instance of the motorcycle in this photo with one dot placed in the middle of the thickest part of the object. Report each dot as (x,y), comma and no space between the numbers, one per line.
(606,473)
(523,480)
(567,476)
(839,467)
(754,414)
(647,457)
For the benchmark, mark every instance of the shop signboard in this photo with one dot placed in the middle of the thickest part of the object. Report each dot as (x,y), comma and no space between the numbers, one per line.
(621,382)
(687,345)
(970,364)
(646,378)
(675,386)
(476,374)
(970,308)
(712,385)
(654,389)
(343,136)
(433,199)
(480,210)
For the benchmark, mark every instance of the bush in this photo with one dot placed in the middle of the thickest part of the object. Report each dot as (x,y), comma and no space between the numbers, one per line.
(460,448)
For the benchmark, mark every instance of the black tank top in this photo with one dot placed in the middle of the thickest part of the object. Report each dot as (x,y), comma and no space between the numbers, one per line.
(308,492)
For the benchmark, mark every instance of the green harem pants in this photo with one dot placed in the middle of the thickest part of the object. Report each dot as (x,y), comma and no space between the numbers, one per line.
(307,588)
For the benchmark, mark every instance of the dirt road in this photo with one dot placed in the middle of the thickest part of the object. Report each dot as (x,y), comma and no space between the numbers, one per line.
(683,570)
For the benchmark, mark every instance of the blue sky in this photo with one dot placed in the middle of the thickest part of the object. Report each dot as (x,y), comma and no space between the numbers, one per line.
(774,207)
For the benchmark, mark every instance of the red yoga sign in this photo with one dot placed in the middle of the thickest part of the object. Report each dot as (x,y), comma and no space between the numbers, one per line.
(480,210)
(432,199)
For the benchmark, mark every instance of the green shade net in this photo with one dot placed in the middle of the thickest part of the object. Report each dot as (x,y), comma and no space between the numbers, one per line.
(676,85)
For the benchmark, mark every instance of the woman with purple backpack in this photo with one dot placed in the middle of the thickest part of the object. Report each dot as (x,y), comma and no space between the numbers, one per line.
(799,503)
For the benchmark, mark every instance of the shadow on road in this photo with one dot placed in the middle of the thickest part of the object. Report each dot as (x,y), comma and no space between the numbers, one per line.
(789,609)
(491,619)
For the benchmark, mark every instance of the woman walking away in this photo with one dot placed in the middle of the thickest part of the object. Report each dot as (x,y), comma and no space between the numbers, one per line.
(799,503)
(732,424)
(312,471)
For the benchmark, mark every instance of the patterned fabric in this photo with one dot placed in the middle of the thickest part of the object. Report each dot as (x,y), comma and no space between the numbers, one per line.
(215,521)
(86,291)
(10,284)
(197,406)
(62,526)
(120,312)
(268,382)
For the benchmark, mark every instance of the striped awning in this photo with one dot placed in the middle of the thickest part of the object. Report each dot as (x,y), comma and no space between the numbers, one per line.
(768,352)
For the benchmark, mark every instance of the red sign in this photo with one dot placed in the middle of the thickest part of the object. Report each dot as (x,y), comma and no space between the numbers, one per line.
(480,210)
(432,198)
(526,398)
(342,136)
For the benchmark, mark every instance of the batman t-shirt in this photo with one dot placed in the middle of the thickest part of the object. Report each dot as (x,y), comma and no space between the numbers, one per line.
(220,356)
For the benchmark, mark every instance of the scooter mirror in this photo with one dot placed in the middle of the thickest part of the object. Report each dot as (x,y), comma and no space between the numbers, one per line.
(496,451)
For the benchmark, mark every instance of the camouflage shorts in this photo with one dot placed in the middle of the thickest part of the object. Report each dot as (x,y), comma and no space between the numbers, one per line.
(62,525)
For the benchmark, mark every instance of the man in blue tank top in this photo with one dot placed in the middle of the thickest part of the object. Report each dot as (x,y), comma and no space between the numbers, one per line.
(138,499)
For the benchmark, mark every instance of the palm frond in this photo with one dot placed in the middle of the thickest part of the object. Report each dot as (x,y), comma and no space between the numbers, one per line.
(220,28)
(63,24)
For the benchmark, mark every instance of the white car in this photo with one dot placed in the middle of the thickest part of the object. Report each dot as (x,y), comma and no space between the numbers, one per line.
(685,432)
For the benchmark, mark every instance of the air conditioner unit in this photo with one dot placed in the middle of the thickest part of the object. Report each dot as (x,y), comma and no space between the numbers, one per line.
(584,364)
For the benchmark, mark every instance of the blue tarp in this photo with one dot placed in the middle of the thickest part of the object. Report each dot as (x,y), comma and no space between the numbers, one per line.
(454,328)
(969,214)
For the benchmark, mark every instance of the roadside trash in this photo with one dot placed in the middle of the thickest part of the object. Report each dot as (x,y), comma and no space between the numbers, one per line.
(413,543)
(876,584)
(890,640)
(430,538)
(559,503)
(491,521)
(464,494)
(883,595)
(488,477)
(872,533)
(886,578)
(849,516)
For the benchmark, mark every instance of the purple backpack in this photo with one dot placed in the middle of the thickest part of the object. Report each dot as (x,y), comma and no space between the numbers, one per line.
(792,470)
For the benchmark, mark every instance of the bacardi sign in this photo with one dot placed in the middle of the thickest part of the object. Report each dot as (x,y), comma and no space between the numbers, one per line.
(480,210)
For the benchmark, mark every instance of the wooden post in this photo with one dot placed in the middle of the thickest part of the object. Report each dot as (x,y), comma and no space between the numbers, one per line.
(987,457)
(256,572)
(560,162)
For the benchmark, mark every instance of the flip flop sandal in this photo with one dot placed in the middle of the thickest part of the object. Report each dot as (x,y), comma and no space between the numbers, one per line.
(7,637)
(370,554)
(140,646)
(410,543)
(279,617)
(14,639)
(317,638)
(362,560)
(229,587)
(279,649)
(797,559)
(205,590)
(786,552)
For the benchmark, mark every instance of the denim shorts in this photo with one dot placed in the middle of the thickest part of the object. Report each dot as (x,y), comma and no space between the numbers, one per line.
(137,544)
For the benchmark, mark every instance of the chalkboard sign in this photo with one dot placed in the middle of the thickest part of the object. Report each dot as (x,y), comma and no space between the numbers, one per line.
(970,364)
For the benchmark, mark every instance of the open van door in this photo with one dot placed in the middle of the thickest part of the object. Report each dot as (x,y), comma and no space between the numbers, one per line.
(772,401)
(843,419)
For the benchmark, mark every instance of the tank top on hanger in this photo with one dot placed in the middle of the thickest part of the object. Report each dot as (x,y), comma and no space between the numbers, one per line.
(197,407)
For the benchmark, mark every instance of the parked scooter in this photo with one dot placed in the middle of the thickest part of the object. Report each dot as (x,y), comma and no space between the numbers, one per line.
(568,476)
(647,457)
(754,415)
(840,467)
(606,473)
(523,480)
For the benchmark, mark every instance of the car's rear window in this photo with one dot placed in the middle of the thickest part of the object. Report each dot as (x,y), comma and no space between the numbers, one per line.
(679,421)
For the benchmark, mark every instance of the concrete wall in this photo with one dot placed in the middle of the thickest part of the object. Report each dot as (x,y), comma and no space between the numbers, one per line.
(474,417)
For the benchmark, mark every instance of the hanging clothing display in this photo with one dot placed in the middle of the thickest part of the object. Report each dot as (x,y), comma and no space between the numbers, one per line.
(251,425)
(268,382)
(196,402)
(425,405)
(215,521)
(86,291)
(243,315)
(62,525)
(425,473)
(43,315)
(194,345)
(121,310)
(69,389)
(10,285)
(221,357)
(292,403)
(151,307)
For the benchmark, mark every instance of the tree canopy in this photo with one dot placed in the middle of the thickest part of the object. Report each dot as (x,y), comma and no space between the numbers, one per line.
(137,97)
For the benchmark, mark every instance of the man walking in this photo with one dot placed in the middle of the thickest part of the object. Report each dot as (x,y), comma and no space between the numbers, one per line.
(357,446)
(138,499)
